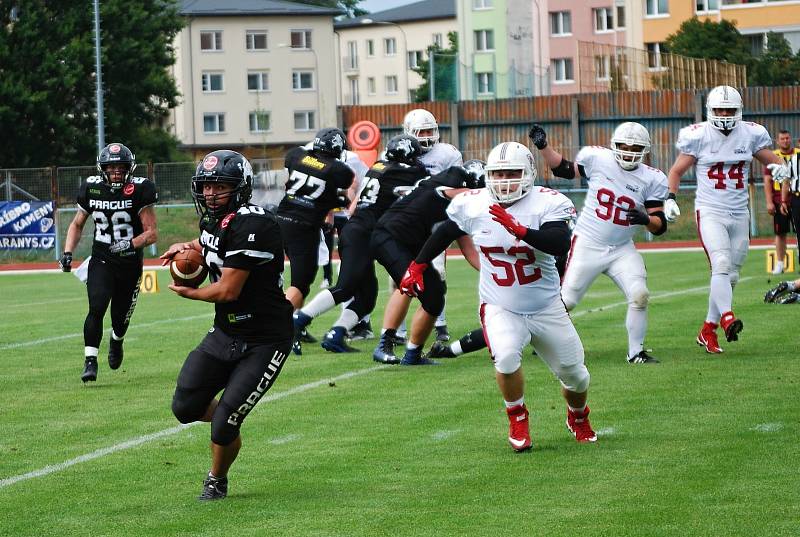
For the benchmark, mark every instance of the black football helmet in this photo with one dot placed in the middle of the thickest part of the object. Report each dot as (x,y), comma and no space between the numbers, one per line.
(403,148)
(116,153)
(330,141)
(476,168)
(223,166)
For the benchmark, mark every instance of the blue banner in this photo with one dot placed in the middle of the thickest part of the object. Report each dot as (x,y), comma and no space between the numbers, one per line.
(27,225)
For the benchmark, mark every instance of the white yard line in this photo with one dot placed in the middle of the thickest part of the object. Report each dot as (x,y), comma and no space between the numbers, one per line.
(144,439)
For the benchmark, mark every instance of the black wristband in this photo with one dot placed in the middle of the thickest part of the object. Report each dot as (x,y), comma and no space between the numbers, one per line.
(671,196)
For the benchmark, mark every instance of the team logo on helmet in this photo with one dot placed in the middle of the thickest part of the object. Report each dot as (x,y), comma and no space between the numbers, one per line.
(226,220)
(128,190)
(114,148)
(210,162)
(404,146)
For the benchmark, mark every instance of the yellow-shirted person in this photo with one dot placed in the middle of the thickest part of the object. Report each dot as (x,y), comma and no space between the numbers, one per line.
(781,216)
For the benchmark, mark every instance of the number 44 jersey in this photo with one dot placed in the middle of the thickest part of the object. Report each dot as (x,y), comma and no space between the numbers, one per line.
(115,213)
(723,162)
(514,275)
(612,193)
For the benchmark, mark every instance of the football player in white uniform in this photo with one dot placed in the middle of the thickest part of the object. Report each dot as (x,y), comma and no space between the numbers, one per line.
(519,229)
(623,193)
(721,148)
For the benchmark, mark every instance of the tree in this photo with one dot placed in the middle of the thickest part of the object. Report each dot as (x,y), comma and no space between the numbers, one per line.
(350,7)
(445,63)
(777,66)
(47,79)
(708,39)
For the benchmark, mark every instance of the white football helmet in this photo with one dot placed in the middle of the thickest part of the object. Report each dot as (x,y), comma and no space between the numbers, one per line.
(419,120)
(631,134)
(723,97)
(510,156)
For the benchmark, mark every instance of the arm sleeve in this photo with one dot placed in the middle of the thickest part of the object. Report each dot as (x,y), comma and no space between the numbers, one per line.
(552,238)
(148,195)
(82,200)
(439,240)
(687,144)
(761,139)
(658,191)
(252,240)
(343,175)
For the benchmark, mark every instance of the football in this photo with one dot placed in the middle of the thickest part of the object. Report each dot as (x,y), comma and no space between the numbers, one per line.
(188,269)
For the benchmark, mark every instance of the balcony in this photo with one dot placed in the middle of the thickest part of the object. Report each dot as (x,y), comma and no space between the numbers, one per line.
(350,64)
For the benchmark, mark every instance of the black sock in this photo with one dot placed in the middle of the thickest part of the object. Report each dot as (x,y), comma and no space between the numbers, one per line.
(473,341)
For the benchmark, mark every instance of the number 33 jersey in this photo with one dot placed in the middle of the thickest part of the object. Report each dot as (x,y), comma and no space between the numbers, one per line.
(612,193)
(115,213)
(514,275)
(723,162)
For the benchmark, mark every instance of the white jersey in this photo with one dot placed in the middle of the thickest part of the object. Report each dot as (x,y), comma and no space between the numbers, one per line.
(440,157)
(514,275)
(723,162)
(612,192)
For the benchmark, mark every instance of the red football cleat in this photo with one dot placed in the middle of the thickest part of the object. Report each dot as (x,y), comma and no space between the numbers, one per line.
(708,338)
(580,426)
(519,435)
(731,325)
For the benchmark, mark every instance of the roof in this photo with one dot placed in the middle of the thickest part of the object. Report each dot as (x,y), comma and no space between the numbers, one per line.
(418,11)
(214,8)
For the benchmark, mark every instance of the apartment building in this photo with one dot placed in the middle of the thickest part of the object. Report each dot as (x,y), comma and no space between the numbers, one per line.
(253,73)
(377,52)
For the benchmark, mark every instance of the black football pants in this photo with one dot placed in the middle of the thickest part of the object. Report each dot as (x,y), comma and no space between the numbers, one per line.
(117,285)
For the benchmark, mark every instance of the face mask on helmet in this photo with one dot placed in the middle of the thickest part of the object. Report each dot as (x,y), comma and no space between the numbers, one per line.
(724,98)
(116,154)
(422,125)
(404,149)
(477,172)
(330,141)
(630,143)
(510,172)
(230,168)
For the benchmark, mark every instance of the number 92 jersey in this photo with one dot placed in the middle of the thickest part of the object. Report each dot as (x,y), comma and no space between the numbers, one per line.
(115,213)
(723,162)
(311,190)
(612,193)
(514,275)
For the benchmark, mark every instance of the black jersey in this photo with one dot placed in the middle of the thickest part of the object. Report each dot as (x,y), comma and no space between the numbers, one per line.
(311,190)
(249,239)
(378,193)
(115,213)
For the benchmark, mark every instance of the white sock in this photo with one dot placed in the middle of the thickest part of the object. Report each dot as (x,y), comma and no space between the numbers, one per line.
(512,404)
(577,410)
(456,348)
(791,286)
(411,346)
(348,319)
(636,323)
(441,320)
(319,304)
(720,298)
(91,352)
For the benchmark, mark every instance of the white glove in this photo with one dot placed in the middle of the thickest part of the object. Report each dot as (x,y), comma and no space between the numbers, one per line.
(671,210)
(779,172)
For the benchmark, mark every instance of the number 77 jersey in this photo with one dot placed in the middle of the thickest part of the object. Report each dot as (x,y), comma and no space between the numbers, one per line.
(723,162)
(514,275)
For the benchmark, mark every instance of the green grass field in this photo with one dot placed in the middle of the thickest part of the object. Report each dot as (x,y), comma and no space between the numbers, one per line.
(697,445)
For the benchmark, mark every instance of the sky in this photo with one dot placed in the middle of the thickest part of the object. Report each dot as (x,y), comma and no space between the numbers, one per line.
(381,5)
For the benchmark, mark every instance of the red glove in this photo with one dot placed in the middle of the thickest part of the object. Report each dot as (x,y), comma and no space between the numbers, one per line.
(501,216)
(412,283)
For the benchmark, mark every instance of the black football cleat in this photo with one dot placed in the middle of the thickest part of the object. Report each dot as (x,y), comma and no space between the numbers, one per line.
(305,337)
(384,352)
(440,349)
(89,370)
(214,488)
(362,330)
(442,334)
(773,294)
(791,298)
(642,358)
(115,353)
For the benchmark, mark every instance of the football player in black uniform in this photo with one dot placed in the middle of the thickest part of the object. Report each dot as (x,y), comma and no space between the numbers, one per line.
(244,351)
(401,168)
(121,207)
(396,241)
(315,177)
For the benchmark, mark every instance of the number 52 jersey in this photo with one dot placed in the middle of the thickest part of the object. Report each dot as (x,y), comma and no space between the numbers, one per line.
(115,213)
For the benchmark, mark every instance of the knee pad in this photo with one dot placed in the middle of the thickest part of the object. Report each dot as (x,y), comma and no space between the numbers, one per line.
(639,296)
(720,262)
(734,276)
(225,425)
(507,362)
(575,378)
(569,298)
(187,408)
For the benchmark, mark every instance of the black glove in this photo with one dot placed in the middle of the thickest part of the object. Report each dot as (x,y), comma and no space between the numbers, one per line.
(638,217)
(538,136)
(121,247)
(66,262)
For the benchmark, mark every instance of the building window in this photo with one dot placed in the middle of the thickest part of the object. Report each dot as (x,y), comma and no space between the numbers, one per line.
(304,121)
(256,40)
(301,38)
(484,40)
(259,121)
(302,80)
(214,123)
(656,7)
(560,23)
(484,83)
(211,41)
(370,48)
(482,4)
(212,82)
(704,6)
(354,96)
(654,52)
(414,58)
(258,81)
(620,15)
(371,86)
(389,46)
(602,67)
(603,19)
(562,70)
(351,60)
(391,85)
(437,40)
